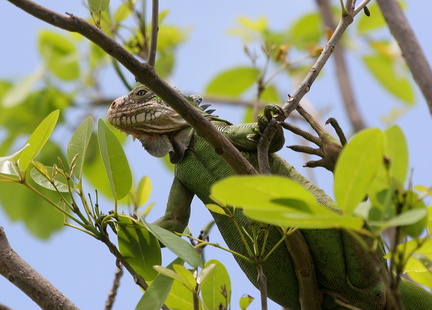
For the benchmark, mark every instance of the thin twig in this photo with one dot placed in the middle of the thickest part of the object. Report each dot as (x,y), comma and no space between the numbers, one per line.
(154,33)
(342,75)
(113,292)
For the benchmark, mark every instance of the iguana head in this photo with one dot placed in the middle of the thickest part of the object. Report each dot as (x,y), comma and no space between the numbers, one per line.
(146,117)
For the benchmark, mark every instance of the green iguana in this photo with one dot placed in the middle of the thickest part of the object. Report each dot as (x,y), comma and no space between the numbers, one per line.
(347,277)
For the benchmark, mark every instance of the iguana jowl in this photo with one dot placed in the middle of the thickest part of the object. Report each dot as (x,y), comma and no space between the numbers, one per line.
(345,274)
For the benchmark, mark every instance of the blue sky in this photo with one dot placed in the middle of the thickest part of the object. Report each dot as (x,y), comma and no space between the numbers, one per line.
(81,267)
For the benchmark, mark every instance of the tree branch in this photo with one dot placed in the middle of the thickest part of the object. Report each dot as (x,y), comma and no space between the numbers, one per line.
(146,75)
(154,33)
(293,101)
(410,47)
(342,75)
(28,280)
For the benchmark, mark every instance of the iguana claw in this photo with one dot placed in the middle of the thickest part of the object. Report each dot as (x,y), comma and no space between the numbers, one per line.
(328,148)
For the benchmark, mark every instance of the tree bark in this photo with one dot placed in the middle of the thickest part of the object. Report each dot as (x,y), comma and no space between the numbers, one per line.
(28,280)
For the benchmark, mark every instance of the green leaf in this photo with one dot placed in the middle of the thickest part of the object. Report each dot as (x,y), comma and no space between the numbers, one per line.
(98,5)
(123,11)
(143,192)
(356,168)
(139,247)
(396,169)
(8,164)
(384,70)
(179,297)
(306,32)
(216,284)
(403,219)
(115,161)
(78,145)
(185,277)
(370,23)
(158,291)
(262,192)
(60,55)
(42,174)
(279,201)
(38,139)
(245,301)
(215,208)
(22,204)
(396,151)
(177,245)
(22,89)
(232,82)
(208,268)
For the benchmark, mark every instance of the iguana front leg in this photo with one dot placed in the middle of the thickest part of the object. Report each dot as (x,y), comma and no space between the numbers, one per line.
(177,213)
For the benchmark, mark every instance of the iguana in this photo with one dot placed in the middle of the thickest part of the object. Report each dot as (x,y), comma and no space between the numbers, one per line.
(347,277)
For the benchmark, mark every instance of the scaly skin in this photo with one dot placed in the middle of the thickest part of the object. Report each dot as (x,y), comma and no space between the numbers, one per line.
(345,273)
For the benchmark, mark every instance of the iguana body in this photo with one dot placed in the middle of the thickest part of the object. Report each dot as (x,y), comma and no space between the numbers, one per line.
(345,274)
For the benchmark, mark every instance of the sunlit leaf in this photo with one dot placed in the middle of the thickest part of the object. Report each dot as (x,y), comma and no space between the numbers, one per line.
(396,149)
(138,246)
(262,192)
(397,83)
(8,164)
(123,11)
(179,246)
(78,145)
(356,168)
(22,89)
(279,201)
(370,23)
(21,204)
(403,219)
(215,208)
(60,55)
(179,297)
(115,161)
(98,5)
(42,176)
(185,277)
(393,173)
(306,32)
(245,301)
(232,82)
(143,191)
(216,289)
(158,291)
(38,139)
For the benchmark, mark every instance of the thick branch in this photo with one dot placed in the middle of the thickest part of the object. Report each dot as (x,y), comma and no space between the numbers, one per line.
(410,47)
(28,280)
(343,77)
(146,75)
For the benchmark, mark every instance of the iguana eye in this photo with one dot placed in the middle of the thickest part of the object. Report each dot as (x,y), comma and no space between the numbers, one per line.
(141,92)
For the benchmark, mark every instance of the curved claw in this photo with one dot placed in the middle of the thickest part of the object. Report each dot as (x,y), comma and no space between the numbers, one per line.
(328,148)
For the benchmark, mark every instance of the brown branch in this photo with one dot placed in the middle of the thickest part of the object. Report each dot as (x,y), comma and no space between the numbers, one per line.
(293,101)
(28,280)
(154,33)
(146,75)
(410,47)
(113,292)
(342,75)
